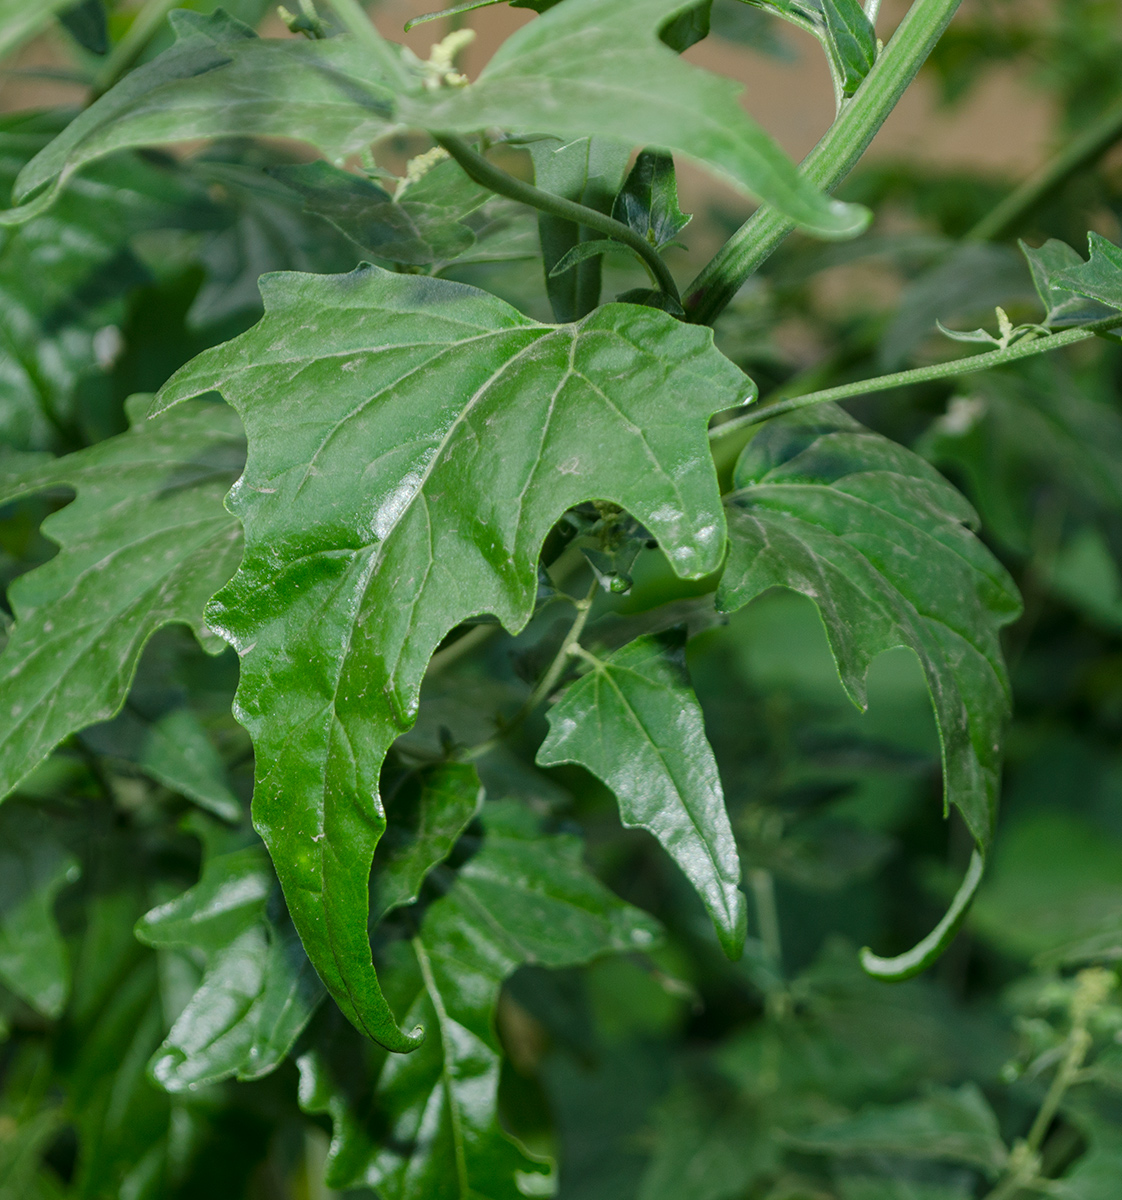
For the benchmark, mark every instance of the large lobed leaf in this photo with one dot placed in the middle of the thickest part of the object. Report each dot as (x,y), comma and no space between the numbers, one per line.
(881,543)
(412,441)
(432,1129)
(145,543)
(598,67)
(585,67)
(634,721)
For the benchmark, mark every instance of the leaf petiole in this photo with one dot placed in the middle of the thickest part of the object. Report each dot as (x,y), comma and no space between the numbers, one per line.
(487,175)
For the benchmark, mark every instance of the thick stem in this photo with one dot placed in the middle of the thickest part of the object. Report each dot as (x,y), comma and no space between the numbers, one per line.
(830,161)
(487,175)
(767,915)
(547,682)
(1080,152)
(947,370)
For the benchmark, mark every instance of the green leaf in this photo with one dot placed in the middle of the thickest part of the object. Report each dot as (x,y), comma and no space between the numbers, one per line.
(710,1145)
(522,898)
(648,200)
(423,832)
(178,754)
(845,32)
(951,1125)
(597,67)
(1062,305)
(34,868)
(634,721)
(588,171)
(417,438)
(881,543)
(583,251)
(258,990)
(422,225)
(145,543)
(87,24)
(1100,278)
(220,79)
(64,278)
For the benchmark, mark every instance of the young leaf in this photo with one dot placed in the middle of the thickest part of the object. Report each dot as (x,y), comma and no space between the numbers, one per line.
(648,200)
(955,1126)
(880,542)
(523,898)
(1100,278)
(1062,305)
(146,543)
(634,721)
(589,171)
(845,32)
(258,991)
(34,868)
(220,79)
(417,438)
(422,226)
(597,67)
(448,798)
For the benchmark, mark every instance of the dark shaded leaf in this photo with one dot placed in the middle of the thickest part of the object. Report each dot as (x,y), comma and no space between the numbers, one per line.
(880,542)
(34,868)
(648,200)
(146,542)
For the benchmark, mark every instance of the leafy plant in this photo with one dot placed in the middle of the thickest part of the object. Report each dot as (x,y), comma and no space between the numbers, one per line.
(388,532)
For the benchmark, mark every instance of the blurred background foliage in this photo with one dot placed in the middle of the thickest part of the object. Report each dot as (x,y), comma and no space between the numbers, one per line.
(670,1074)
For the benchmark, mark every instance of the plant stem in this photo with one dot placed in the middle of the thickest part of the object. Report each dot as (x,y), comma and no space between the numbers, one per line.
(132,45)
(496,180)
(547,682)
(947,370)
(1080,152)
(767,915)
(829,162)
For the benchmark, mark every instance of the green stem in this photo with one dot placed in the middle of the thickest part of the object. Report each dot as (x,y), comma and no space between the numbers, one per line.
(491,177)
(947,370)
(1080,152)
(547,682)
(132,45)
(829,162)
(767,915)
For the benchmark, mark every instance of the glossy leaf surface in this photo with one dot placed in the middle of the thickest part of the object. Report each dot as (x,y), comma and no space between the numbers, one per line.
(597,67)
(634,721)
(432,1129)
(417,439)
(881,544)
(146,543)
(258,990)
(34,868)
